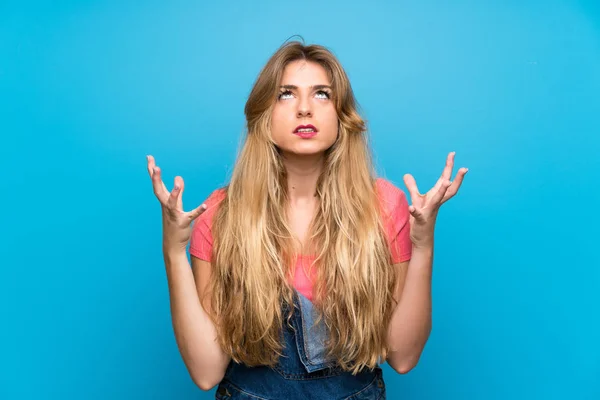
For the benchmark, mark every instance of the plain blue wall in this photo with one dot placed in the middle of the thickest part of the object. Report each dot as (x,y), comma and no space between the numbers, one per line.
(88,88)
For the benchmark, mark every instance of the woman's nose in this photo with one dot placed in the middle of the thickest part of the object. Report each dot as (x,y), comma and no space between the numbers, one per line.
(304,109)
(303,113)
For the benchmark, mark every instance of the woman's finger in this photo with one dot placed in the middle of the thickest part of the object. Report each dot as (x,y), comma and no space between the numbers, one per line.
(179,183)
(151,164)
(159,188)
(173,200)
(195,213)
(446,173)
(453,189)
(411,185)
(417,214)
(437,197)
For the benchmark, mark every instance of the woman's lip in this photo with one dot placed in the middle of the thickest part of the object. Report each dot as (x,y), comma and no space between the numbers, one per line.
(306,135)
(309,126)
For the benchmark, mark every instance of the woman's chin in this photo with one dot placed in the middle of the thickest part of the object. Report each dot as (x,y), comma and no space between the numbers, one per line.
(305,150)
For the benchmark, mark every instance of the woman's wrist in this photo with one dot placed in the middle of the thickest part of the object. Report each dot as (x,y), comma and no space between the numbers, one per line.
(173,255)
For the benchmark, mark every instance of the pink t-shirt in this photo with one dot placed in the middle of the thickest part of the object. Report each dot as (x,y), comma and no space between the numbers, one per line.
(396,217)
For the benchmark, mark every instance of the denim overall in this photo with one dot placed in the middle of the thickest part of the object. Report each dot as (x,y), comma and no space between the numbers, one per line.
(303,372)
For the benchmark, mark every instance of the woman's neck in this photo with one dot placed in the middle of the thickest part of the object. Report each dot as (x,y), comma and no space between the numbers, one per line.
(303,172)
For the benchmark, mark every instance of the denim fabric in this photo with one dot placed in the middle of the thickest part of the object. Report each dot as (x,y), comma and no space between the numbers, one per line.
(314,337)
(303,372)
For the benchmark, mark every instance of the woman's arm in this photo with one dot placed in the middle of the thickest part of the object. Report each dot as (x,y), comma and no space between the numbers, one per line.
(411,320)
(194,331)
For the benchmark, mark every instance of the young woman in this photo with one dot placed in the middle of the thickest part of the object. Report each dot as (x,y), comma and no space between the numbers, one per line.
(308,270)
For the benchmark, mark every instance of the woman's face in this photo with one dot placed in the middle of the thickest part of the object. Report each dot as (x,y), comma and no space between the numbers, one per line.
(304,119)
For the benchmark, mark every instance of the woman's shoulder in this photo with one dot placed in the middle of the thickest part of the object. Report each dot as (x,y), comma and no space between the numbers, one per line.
(389,194)
(212,204)
(201,240)
(216,197)
(396,215)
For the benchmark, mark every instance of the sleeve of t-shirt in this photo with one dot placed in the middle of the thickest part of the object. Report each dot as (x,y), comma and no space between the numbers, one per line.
(395,204)
(201,241)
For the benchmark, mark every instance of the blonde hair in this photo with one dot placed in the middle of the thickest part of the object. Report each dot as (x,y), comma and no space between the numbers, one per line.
(254,250)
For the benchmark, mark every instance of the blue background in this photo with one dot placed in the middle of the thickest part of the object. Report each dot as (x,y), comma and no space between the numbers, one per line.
(88,88)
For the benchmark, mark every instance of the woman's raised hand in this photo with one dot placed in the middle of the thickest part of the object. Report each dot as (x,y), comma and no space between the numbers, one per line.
(425,207)
(177,223)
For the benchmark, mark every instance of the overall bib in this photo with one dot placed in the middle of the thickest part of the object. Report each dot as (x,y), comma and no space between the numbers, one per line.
(303,372)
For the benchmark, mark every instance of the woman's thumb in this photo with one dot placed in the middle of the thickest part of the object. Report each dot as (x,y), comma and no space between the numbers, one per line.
(417,214)
(195,213)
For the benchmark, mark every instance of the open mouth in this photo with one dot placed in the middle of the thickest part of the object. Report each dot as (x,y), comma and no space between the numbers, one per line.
(305,131)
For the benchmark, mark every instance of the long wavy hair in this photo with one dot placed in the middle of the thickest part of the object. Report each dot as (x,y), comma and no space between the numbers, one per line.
(254,248)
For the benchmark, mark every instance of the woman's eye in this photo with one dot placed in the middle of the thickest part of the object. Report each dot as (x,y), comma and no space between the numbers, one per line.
(284,94)
(323,94)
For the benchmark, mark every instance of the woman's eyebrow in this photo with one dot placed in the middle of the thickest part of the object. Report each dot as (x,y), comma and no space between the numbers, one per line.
(315,87)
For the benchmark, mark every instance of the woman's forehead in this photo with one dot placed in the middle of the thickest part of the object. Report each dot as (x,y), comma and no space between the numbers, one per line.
(302,73)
